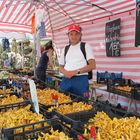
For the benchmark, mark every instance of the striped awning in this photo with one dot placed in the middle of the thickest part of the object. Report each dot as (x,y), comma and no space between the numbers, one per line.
(15,15)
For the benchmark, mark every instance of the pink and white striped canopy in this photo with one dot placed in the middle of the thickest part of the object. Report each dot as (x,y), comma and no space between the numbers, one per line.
(15,15)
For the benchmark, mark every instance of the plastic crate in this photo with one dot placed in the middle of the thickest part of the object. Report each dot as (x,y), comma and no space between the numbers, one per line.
(50,82)
(4,108)
(135,92)
(104,77)
(3,82)
(9,134)
(74,119)
(44,108)
(73,97)
(77,119)
(110,110)
(10,94)
(82,115)
(2,95)
(114,111)
(135,88)
(114,90)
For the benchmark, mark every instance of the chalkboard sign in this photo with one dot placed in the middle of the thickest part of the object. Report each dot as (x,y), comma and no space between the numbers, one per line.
(112,34)
(137,32)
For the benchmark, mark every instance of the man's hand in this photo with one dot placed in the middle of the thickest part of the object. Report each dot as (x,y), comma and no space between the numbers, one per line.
(70,74)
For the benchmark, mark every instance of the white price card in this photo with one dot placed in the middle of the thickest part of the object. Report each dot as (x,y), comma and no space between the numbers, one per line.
(33,95)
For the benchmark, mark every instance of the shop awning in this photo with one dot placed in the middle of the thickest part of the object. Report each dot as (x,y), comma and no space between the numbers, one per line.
(15,15)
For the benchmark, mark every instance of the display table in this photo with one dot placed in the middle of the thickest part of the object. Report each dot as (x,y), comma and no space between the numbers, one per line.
(54,77)
(95,86)
(100,91)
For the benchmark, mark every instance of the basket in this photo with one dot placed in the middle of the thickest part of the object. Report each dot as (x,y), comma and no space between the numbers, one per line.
(8,134)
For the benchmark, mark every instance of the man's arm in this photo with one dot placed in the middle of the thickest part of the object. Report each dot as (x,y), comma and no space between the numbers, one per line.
(66,73)
(61,69)
(91,65)
(50,54)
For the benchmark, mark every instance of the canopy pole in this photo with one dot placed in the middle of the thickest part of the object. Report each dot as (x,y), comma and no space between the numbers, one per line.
(35,51)
(34,54)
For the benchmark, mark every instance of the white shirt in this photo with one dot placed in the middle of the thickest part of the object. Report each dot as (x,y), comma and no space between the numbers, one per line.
(74,58)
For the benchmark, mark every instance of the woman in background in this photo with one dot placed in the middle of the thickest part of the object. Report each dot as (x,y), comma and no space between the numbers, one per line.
(45,59)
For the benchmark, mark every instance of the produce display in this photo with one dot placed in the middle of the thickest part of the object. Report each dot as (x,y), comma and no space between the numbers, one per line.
(25,70)
(47,97)
(71,108)
(54,135)
(6,91)
(105,128)
(17,117)
(4,75)
(124,88)
(114,129)
(10,100)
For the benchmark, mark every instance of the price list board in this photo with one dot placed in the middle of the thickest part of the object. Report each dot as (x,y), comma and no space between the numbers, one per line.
(112,38)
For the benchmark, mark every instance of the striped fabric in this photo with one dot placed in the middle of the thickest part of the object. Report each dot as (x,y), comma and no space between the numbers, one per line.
(59,13)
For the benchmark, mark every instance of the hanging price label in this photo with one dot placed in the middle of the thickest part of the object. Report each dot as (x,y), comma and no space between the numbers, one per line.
(33,95)
(54,98)
(80,137)
(93,133)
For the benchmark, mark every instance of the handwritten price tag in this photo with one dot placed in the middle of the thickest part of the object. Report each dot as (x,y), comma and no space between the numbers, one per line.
(33,95)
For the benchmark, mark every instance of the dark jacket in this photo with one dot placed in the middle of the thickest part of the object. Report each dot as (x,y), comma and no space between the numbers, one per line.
(43,62)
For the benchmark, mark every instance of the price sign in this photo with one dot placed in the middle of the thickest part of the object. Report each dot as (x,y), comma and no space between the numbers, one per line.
(112,33)
(55,99)
(33,95)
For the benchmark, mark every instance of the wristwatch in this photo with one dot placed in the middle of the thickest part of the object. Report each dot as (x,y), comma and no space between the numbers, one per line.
(78,71)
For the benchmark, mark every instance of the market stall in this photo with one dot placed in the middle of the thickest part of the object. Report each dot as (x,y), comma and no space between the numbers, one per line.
(29,110)
(77,116)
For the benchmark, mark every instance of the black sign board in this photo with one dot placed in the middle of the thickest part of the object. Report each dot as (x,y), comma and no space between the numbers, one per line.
(137,32)
(112,36)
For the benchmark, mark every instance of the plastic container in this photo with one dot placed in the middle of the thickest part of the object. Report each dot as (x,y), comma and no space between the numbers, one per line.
(9,134)
(72,96)
(4,108)
(44,108)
